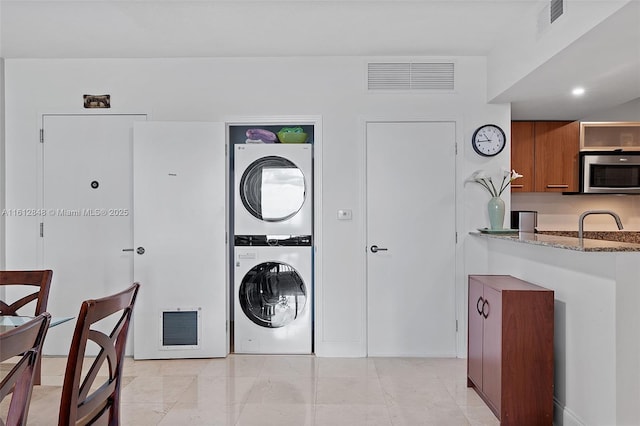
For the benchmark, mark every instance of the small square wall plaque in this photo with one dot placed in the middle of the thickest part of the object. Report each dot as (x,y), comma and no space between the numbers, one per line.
(97,101)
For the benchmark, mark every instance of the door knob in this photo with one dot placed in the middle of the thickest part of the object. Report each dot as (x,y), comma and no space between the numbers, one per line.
(139,250)
(375,249)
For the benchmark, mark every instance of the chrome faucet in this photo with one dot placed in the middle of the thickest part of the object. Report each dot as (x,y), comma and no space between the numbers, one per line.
(588,212)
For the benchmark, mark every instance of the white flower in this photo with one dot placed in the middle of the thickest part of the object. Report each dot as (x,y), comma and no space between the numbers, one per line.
(515,175)
(479,176)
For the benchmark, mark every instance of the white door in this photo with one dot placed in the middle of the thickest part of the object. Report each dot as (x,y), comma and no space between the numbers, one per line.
(410,238)
(87,221)
(179,241)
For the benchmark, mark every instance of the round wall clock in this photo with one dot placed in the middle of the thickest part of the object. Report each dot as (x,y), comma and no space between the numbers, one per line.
(488,140)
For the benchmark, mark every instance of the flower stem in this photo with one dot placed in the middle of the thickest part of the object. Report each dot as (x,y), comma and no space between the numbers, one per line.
(494,192)
(502,185)
(483,182)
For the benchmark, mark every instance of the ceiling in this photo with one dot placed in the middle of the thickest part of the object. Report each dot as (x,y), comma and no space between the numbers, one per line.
(606,60)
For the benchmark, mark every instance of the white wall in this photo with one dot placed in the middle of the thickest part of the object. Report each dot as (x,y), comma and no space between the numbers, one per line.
(525,50)
(629,111)
(557,212)
(2,166)
(207,89)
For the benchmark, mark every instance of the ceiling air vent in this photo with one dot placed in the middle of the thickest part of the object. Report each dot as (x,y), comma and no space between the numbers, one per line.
(411,76)
(556,9)
(549,13)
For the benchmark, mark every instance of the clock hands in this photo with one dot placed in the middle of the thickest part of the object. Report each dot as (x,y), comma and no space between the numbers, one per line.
(487,138)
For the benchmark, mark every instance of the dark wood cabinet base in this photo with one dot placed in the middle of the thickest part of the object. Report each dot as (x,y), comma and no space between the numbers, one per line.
(510,348)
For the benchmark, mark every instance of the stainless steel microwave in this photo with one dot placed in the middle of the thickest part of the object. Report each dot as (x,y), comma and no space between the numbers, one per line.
(610,172)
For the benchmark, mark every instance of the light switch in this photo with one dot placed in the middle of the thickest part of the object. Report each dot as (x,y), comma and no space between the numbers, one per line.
(345,215)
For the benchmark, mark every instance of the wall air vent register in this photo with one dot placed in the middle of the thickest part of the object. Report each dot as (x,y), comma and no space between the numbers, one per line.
(551,11)
(411,76)
(556,9)
(180,329)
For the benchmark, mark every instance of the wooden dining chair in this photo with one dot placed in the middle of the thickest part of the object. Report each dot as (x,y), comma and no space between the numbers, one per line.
(40,279)
(87,397)
(26,279)
(25,343)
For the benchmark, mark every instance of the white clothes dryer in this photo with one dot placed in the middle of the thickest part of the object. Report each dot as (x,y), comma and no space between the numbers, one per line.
(273,299)
(273,192)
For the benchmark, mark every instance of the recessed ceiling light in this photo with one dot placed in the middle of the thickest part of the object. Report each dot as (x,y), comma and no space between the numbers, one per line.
(578,91)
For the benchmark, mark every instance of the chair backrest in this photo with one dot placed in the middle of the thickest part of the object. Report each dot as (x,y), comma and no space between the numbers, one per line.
(40,279)
(85,396)
(25,342)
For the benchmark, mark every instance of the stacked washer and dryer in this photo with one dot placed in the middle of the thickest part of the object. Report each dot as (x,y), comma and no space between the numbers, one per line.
(273,227)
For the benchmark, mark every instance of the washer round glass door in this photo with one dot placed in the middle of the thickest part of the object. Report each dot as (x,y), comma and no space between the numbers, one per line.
(272,294)
(272,189)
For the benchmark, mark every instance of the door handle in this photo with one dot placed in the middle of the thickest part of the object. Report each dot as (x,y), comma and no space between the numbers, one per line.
(478,308)
(139,250)
(485,314)
(375,249)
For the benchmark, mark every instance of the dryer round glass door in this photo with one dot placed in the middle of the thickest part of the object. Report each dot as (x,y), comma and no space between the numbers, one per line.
(272,189)
(272,294)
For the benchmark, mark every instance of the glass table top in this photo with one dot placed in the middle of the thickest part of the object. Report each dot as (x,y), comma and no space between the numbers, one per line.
(7,322)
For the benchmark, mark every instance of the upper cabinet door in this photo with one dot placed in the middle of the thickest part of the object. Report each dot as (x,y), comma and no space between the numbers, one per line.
(607,136)
(556,156)
(522,155)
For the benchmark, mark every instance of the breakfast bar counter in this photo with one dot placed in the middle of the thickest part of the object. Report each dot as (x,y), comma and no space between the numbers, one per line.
(596,286)
(565,240)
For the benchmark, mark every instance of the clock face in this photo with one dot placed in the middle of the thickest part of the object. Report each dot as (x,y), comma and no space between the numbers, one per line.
(488,140)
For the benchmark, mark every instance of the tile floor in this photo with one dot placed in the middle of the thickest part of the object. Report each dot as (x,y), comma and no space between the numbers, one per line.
(247,390)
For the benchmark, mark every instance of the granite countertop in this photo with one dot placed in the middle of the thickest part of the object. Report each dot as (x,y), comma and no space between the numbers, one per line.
(620,236)
(569,240)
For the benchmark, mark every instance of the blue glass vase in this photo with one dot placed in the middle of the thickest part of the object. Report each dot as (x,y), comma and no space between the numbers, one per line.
(496,212)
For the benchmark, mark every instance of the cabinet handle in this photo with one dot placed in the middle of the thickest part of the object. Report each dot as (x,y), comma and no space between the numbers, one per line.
(478,308)
(517,186)
(561,185)
(486,302)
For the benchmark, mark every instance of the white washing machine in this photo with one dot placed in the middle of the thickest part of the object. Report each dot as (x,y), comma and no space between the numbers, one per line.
(273,192)
(273,298)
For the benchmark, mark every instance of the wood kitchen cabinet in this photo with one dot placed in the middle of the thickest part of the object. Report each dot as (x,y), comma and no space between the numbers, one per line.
(510,348)
(546,153)
(522,155)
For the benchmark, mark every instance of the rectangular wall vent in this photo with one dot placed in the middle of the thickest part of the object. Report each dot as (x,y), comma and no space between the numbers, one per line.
(556,9)
(180,329)
(410,76)
(551,11)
